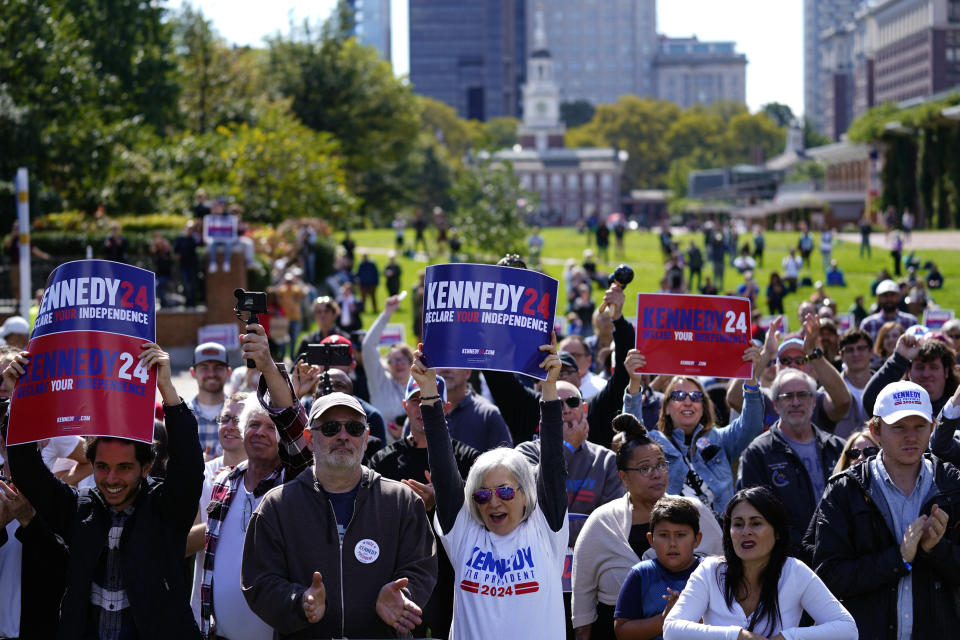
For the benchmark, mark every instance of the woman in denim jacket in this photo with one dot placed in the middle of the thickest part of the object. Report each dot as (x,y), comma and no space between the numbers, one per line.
(699,454)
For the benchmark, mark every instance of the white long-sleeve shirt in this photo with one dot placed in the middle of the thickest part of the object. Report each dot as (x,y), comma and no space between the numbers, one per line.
(800,590)
(386,394)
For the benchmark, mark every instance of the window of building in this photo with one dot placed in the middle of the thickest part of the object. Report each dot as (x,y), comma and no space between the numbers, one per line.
(589,181)
(556,181)
(606,180)
(572,182)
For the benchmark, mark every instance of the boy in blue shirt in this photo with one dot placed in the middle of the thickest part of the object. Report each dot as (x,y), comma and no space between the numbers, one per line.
(652,586)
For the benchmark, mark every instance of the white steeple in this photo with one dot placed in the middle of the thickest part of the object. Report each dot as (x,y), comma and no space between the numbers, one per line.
(541,96)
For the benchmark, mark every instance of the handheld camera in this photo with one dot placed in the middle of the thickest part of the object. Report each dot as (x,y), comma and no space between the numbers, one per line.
(249,305)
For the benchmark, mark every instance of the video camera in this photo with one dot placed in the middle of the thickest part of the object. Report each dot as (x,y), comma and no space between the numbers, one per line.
(250,304)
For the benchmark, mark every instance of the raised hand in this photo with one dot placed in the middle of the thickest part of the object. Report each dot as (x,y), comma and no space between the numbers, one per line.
(908,346)
(15,504)
(671,598)
(811,332)
(391,304)
(552,365)
(425,491)
(255,346)
(396,609)
(426,378)
(613,299)
(151,355)
(753,355)
(16,368)
(315,599)
(772,341)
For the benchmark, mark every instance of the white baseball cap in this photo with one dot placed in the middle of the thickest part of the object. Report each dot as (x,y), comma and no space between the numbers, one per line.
(887,286)
(899,400)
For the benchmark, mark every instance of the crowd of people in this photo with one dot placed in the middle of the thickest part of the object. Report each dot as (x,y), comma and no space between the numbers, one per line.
(378,497)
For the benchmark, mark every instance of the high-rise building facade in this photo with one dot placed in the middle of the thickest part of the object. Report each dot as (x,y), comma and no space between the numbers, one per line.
(689,71)
(469,55)
(372,24)
(820,16)
(601,49)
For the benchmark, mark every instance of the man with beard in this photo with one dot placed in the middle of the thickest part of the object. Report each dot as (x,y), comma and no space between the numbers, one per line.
(888,301)
(211,371)
(340,551)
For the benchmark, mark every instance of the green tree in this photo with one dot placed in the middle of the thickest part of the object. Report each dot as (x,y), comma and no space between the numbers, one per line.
(811,137)
(639,126)
(753,138)
(780,113)
(280,169)
(490,208)
(219,84)
(499,133)
(342,87)
(576,113)
(695,129)
(677,177)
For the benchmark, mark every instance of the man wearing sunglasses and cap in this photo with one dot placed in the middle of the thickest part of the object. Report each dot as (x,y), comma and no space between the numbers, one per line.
(592,475)
(340,551)
(885,539)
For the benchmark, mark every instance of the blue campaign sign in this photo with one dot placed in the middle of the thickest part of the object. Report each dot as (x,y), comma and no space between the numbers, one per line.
(480,316)
(98,295)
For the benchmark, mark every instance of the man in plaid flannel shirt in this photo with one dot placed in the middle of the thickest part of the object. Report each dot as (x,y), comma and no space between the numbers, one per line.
(246,484)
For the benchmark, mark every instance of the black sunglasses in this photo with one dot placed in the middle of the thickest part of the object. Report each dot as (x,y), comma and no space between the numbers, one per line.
(856,454)
(482,496)
(331,428)
(573,401)
(680,396)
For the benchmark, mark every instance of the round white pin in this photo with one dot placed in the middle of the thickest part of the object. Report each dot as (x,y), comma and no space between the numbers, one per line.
(366,551)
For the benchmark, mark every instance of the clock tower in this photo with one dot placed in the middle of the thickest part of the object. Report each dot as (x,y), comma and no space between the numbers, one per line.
(541,128)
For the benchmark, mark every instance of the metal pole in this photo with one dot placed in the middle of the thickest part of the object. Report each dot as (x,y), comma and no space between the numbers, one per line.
(23,220)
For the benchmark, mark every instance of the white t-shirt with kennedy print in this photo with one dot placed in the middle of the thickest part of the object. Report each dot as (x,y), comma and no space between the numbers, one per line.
(506,586)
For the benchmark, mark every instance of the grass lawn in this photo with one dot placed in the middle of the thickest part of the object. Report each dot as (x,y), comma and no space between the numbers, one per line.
(643,255)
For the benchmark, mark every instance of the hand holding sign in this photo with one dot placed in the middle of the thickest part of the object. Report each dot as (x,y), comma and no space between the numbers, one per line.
(152,355)
(14,370)
(634,364)
(552,365)
(426,378)
(753,355)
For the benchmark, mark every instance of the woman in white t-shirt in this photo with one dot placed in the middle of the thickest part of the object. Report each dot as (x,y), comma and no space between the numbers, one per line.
(756,591)
(505,529)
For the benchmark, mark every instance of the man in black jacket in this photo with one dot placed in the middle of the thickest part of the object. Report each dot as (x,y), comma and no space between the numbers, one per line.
(794,458)
(884,537)
(126,536)
(520,406)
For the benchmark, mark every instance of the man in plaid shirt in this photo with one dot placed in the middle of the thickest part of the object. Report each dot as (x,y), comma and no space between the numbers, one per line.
(224,612)
(888,302)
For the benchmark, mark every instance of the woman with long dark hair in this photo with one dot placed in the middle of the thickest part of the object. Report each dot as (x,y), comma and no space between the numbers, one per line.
(756,590)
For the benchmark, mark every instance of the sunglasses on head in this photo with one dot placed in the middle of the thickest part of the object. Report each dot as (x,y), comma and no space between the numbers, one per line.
(573,401)
(482,496)
(331,428)
(680,396)
(855,454)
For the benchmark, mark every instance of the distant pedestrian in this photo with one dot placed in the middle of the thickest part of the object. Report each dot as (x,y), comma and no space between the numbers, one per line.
(805,245)
(392,273)
(865,229)
(718,256)
(368,275)
(826,248)
(791,269)
(619,230)
(759,244)
(399,225)
(896,252)
(907,220)
(348,245)
(419,227)
(695,262)
(603,242)
(115,245)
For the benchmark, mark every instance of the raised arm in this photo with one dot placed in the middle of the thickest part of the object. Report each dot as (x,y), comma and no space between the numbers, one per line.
(54,500)
(552,472)
(838,398)
(768,353)
(942,443)
(735,437)
(891,371)
(377,376)
(444,474)
(278,398)
(607,403)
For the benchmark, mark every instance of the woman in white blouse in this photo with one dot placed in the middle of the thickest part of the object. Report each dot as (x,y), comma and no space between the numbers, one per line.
(756,591)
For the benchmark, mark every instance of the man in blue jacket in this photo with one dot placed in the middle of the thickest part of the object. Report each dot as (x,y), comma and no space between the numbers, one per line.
(127,535)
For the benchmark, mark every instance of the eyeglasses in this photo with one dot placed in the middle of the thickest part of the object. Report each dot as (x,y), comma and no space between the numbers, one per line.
(856,454)
(227,419)
(954,336)
(660,467)
(247,512)
(794,395)
(856,348)
(482,496)
(330,428)
(680,396)
(573,401)
(793,362)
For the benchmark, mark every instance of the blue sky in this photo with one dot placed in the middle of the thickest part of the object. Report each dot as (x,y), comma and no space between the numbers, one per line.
(769,32)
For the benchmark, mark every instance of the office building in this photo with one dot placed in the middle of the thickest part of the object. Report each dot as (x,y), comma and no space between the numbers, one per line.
(689,71)
(820,16)
(372,24)
(469,55)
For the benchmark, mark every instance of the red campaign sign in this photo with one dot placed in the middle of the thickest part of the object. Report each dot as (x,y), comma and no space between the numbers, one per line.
(84,375)
(694,335)
(69,389)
